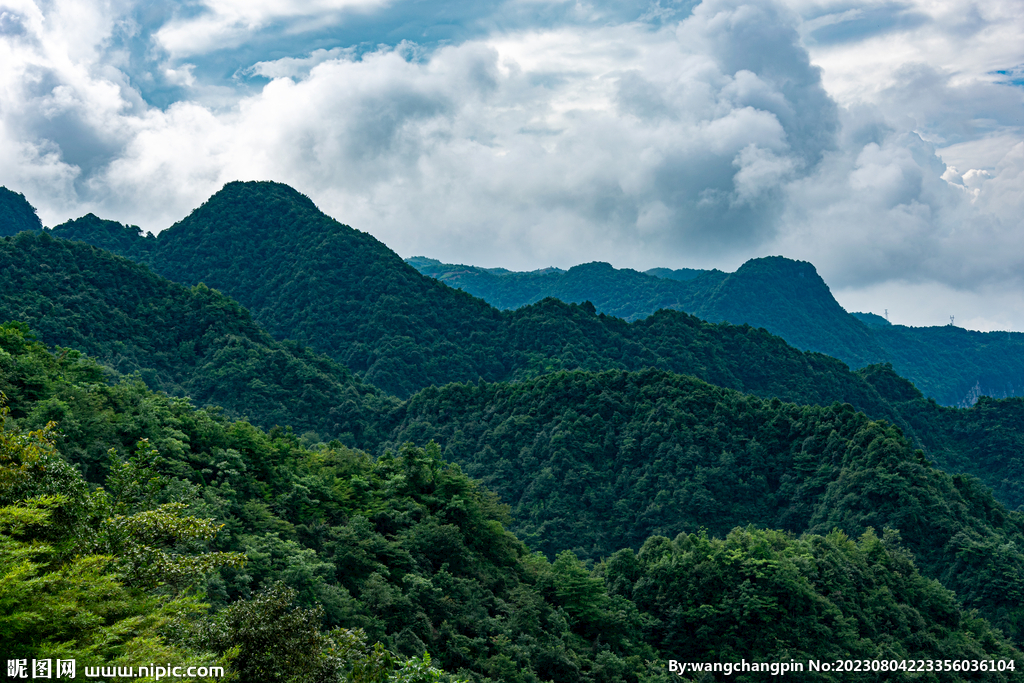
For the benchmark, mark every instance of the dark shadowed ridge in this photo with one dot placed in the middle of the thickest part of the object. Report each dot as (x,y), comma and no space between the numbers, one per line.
(16,214)
(789,298)
(344,293)
(786,297)
(185,341)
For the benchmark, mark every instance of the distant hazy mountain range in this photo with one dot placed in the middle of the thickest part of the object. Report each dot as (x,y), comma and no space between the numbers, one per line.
(788,298)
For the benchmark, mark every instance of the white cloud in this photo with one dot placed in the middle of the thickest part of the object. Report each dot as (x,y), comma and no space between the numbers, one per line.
(230,23)
(699,143)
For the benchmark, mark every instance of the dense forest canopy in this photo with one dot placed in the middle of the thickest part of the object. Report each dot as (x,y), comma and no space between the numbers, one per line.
(185,341)
(786,297)
(320,551)
(16,214)
(454,492)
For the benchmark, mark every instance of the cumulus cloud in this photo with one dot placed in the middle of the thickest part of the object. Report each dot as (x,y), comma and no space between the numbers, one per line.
(682,134)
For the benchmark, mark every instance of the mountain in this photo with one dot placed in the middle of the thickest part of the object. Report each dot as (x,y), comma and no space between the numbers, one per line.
(309,278)
(191,342)
(592,462)
(956,366)
(664,504)
(16,214)
(297,547)
(788,298)
(403,331)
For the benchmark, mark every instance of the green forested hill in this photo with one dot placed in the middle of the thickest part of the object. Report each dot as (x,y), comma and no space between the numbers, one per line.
(16,214)
(592,462)
(305,276)
(985,440)
(788,298)
(405,547)
(320,541)
(193,342)
(123,240)
(406,331)
(956,366)
(309,278)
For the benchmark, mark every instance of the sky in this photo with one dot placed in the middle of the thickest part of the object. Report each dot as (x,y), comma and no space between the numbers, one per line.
(881,141)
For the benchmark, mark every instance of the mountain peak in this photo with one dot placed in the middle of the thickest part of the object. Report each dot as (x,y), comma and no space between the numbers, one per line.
(789,298)
(779,266)
(16,214)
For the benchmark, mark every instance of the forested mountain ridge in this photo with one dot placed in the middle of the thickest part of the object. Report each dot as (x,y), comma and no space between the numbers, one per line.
(185,341)
(307,277)
(16,214)
(626,294)
(786,297)
(319,541)
(231,242)
(591,462)
(383,305)
(547,336)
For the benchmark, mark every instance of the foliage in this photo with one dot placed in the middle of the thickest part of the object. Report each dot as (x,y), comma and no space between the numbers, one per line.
(408,552)
(594,462)
(187,342)
(405,547)
(786,297)
(58,598)
(766,596)
(16,214)
(985,440)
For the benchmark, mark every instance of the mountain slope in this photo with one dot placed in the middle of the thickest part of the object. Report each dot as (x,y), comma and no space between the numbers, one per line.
(307,277)
(414,552)
(16,214)
(193,342)
(787,298)
(591,462)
